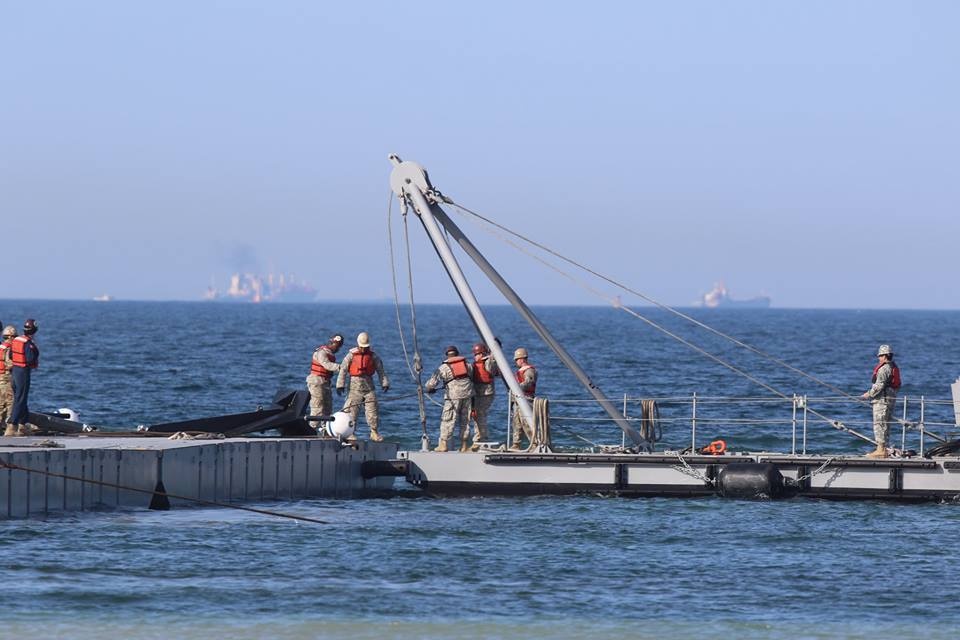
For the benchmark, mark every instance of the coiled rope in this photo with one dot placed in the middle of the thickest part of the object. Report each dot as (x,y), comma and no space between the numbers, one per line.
(650,429)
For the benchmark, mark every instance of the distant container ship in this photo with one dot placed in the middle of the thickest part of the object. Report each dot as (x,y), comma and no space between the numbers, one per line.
(720,297)
(248,287)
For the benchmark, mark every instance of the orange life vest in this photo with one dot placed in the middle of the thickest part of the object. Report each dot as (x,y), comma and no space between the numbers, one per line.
(520,379)
(458,366)
(894,377)
(3,356)
(480,373)
(317,369)
(18,351)
(362,364)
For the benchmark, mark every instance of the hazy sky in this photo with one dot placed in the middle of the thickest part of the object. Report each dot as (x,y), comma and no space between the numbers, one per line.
(806,150)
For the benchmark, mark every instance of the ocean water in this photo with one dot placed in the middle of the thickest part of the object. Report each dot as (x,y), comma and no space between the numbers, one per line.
(585,566)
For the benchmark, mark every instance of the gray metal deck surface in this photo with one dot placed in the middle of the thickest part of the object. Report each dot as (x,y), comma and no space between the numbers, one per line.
(230,470)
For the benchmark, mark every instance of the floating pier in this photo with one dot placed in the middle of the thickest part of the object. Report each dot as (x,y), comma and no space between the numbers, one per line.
(43,476)
(769,475)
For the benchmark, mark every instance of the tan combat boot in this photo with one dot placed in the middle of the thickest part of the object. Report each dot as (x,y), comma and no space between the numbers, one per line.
(11,430)
(879,452)
(515,447)
(441,447)
(464,443)
(375,435)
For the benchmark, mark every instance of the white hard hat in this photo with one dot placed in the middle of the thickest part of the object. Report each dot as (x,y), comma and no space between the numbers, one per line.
(520,353)
(340,426)
(363,340)
(9,330)
(884,350)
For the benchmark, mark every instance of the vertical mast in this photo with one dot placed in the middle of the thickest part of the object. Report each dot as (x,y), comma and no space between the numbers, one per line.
(411,179)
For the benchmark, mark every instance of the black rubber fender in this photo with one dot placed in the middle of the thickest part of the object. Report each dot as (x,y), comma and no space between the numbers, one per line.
(750,480)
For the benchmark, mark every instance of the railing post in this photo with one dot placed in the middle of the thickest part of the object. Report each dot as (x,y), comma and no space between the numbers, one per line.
(903,427)
(793,439)
(922,407)
(623,436)
(693,425)
(804,424)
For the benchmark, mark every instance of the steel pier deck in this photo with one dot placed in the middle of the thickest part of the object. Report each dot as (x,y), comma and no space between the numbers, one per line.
(228,470)
(663,474)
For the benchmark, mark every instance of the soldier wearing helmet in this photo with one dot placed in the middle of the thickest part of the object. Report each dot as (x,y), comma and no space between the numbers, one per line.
(6,383)
(323,365)
(361,363)
(883,396)
(485,371)
(527,378)
(456,375)
(24,357)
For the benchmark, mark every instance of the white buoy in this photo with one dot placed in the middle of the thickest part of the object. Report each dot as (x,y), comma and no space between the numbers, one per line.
(340,426)
(68,413)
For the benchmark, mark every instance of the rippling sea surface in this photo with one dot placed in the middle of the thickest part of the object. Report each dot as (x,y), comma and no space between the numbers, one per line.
(567,567)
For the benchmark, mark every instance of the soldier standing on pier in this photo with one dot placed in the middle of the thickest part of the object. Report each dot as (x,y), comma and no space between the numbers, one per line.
(485,372)
(361,363)
(456,375)
(24,355)
(883,396)
(6,384)
(322,367)
(527,378)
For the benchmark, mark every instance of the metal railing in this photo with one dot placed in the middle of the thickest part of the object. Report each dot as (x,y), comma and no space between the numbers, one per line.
(927,418)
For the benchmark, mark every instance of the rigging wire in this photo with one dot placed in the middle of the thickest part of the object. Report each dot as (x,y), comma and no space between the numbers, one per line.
(615,302)
(396,293)
(659,304)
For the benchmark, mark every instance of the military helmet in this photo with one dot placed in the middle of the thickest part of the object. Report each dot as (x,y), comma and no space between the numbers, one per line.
(884,350)
(520,353)
(452,351)
(336,338)
(29,326)
(363,340)
(9,331)
(479,349)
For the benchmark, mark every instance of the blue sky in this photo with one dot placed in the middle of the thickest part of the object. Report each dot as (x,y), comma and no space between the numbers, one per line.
(806,150)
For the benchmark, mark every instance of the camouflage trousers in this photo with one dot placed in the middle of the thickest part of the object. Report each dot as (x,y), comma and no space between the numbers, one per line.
(6,399)
(520,427)
(882,412)
(455,412)
(321,397)
(481,406)
(368,400)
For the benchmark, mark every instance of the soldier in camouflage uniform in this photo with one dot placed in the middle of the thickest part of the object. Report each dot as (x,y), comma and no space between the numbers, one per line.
(883,396)
(456,374)
(322,367)
(361,363)
(6,384)
(485,372)
(527,378)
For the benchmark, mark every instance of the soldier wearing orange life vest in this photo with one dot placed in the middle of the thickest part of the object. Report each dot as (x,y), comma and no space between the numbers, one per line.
(456,375)
(883,397)
(24,356)
(323,365)
(527,378)
(6,383)
(361,363)
(485,372)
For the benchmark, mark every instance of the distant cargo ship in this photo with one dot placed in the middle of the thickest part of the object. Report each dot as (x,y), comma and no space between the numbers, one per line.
(720,297)
(248,287)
